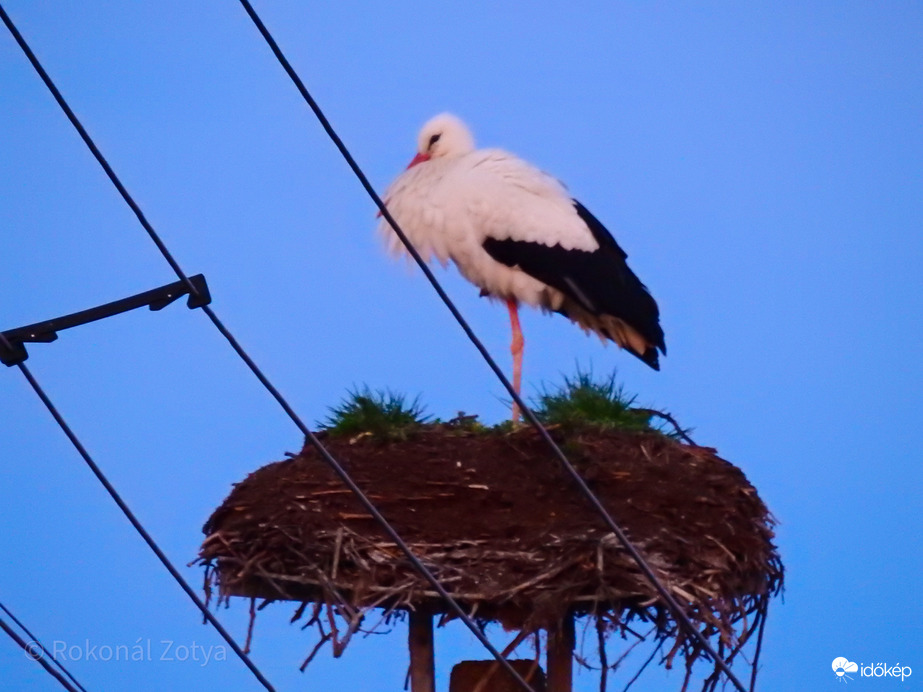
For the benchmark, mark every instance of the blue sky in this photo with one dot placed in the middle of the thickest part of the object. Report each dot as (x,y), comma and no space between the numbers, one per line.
(761,164)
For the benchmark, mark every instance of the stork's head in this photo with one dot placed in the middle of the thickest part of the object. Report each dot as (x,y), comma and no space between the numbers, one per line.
(442,137)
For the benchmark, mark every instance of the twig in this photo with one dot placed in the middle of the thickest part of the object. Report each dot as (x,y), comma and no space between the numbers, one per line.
(688,675)
(323,640)
(544,576)
(754,668)
(603,659)
(299,612)
(250,625)
(336,553)
(631,648)
(315,616)
(680,432)
(645,665)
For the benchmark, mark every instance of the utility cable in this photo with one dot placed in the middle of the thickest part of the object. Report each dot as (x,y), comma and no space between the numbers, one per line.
(645,568)
(126,510)
(328,458)
(33,643)
(39,659)
(84,135)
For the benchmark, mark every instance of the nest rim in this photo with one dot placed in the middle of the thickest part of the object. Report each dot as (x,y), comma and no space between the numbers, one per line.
(334,578)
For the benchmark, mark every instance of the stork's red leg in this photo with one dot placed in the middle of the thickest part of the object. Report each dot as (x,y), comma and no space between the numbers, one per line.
(516,348)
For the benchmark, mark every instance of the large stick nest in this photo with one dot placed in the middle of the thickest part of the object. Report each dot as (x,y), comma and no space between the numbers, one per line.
(505,530)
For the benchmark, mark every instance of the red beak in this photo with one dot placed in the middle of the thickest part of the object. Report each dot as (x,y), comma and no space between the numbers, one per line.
(419,158)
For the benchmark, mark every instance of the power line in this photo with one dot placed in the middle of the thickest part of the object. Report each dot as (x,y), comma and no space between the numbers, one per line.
(32,653)
(96,153)
(53,410)
(645,568)
(126,510)
(38,659)
(328,458)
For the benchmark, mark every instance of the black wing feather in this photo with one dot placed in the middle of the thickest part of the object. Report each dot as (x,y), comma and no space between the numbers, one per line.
(600,281)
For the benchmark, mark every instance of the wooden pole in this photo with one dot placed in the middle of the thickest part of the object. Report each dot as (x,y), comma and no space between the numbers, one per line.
(561,657)
(422,652)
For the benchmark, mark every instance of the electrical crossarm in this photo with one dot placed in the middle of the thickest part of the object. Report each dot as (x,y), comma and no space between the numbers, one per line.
(12,345)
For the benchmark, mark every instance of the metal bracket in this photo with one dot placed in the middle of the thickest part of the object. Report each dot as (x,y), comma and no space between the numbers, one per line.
(13,352)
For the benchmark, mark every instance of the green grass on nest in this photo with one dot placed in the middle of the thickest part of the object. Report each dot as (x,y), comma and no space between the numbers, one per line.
(600,403)
(583,400)
(382,413)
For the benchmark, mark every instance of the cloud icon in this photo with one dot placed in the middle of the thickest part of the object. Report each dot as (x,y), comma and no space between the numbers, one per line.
(841,666)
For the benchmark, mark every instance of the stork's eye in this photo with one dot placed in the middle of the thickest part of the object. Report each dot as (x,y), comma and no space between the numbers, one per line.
(433,140)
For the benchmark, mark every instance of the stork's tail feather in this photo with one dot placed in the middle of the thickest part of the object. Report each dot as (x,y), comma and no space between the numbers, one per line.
(614,329)
(649,357)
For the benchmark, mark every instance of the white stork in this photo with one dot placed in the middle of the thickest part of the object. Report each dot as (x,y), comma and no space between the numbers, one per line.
(516,233)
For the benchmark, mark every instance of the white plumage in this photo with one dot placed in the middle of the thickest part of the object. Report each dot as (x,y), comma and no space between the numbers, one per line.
(516,233)
(462,196)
